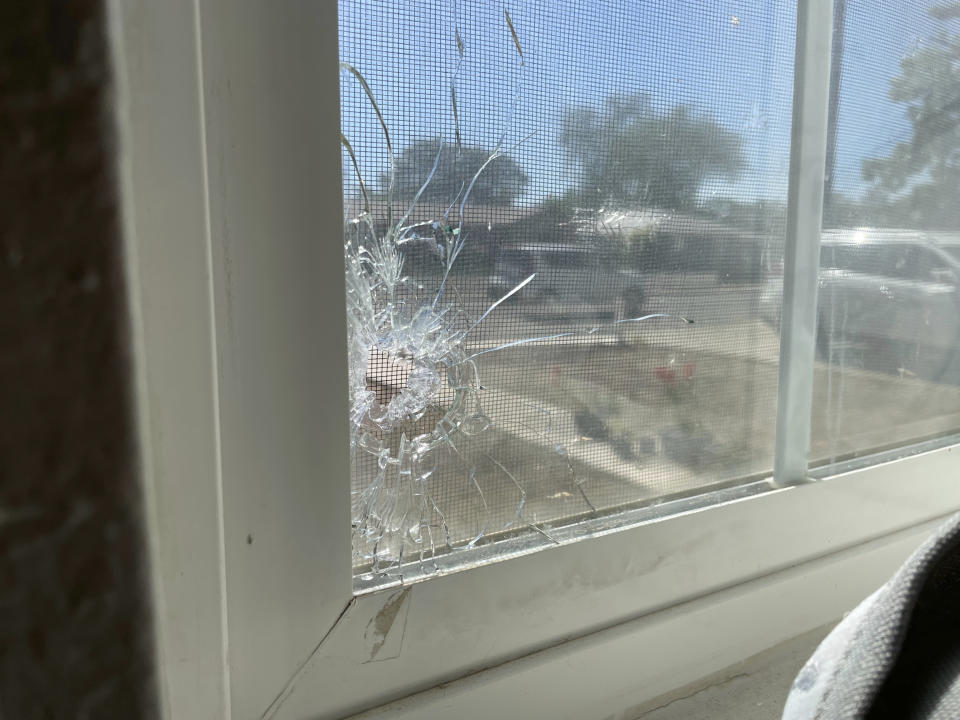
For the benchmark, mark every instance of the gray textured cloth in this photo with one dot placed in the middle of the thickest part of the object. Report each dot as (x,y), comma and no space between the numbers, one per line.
(898,654)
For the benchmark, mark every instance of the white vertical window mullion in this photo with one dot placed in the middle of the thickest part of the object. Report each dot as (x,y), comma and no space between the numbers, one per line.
(808,152)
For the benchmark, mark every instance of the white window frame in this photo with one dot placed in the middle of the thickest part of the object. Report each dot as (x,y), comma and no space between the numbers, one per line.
(230,171)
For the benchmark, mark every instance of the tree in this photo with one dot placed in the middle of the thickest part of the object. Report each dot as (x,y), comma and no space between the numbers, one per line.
(632,152)
(500,183)
(919,181)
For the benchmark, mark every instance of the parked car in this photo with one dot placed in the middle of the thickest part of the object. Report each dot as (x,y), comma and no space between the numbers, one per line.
(572,281)
(888,300)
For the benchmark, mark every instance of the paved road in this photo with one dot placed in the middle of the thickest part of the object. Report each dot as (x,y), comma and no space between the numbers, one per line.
(699,297)
(654,431)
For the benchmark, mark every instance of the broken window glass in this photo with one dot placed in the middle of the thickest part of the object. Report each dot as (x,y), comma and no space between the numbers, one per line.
(564,231)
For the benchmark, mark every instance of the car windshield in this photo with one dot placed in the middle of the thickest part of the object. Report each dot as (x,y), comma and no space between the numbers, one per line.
(953,251)
(519,259)
(569,259)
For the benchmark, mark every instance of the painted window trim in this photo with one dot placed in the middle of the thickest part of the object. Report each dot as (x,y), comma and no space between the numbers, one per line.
(229,169)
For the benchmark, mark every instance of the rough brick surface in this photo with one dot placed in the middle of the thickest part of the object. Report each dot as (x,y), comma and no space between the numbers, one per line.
(74,611)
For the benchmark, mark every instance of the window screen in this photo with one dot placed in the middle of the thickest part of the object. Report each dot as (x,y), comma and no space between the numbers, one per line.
(889,321)
(610,178)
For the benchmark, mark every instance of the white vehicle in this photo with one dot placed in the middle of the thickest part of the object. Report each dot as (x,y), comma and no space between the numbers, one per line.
(572,281)
(888,300)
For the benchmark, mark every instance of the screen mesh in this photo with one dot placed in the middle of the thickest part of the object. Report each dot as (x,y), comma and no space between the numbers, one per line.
(641,168)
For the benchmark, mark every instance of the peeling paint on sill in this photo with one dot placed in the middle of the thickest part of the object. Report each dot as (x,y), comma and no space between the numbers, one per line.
(379,632)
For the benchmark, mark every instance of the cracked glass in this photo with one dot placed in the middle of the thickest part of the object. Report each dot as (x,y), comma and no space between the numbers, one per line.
(564,230)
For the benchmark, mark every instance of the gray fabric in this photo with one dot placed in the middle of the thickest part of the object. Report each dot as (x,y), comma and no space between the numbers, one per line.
(939,697)
(898,654)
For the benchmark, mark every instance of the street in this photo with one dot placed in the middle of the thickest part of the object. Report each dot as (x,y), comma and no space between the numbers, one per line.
(638,412)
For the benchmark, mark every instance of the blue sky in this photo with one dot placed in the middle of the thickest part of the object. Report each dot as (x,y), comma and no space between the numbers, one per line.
(733,60)
(878,36)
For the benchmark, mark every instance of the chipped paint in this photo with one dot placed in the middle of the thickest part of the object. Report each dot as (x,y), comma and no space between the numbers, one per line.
(380,629)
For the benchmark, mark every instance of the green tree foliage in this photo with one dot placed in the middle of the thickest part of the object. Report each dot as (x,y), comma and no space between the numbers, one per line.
(919,182)
(500,183)
(631,152)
